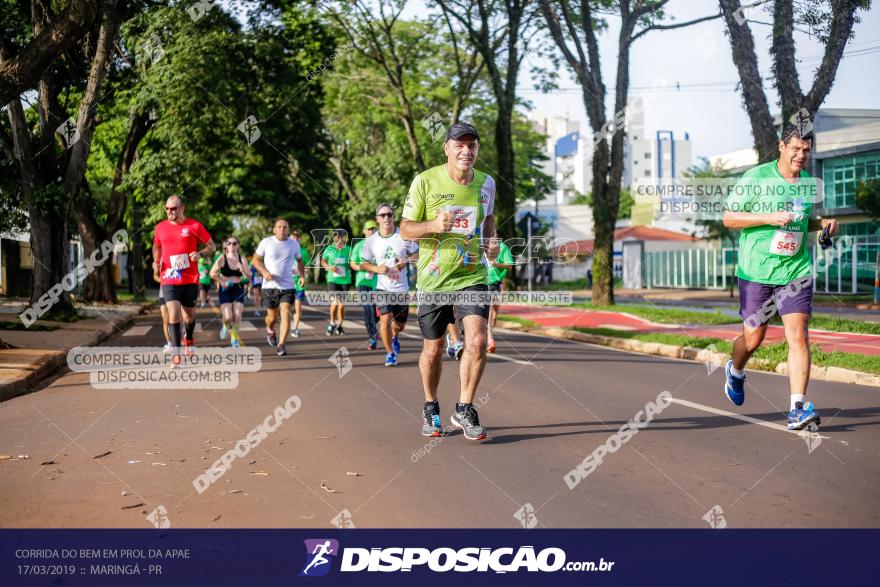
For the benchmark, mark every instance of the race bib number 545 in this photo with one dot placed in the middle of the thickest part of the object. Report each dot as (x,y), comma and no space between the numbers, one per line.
(786,243)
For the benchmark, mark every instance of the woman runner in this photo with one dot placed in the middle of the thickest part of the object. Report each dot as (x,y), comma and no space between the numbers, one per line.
(230,272)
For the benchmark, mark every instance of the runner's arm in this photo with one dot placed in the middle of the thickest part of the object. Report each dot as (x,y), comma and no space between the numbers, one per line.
(261,268)
(246,270)
(367,266)
(300,268)
(490,240)
(157,256)
(413,231)
(215,271)
(209,249)
(748,219)
(817,224)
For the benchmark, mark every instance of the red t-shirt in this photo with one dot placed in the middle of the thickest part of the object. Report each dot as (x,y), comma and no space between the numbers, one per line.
(177,241)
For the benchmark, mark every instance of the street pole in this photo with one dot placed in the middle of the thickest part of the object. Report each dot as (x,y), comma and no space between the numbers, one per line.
(529,248)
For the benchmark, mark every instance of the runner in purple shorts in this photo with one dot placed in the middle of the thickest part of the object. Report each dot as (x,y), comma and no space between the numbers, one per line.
(772,204)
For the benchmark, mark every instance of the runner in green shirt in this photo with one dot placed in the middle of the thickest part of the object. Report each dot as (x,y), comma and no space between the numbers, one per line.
(365,281)
(772,204)
(497,272)
(204,265)
(449,212)
(335,259)
(299,283)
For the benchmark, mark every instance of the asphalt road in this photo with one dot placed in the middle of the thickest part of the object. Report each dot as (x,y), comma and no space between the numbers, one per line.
(547,403)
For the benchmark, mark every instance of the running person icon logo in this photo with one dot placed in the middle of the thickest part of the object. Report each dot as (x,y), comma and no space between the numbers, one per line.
(317,552)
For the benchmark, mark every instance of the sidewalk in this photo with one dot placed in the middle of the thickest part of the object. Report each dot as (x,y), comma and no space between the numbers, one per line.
(39,353)
(863,344)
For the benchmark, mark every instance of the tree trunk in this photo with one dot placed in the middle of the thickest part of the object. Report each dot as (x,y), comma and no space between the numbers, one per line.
(137,278)
(46,216)
(603,229)
(139,124)
(505,194)
(99,286)
(21,72)
(743,49)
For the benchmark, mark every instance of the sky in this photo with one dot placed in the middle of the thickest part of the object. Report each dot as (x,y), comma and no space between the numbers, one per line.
(707,104)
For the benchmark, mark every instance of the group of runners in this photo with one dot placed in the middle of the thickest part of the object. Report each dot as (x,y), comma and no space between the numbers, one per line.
(447,228)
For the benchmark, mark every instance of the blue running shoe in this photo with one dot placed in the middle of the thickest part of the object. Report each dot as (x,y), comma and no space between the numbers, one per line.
(450,347)
(802,416)
(223,332)
(431,421)
(395,345)
(296,333)
(372,344)
(734,387)
(390,360)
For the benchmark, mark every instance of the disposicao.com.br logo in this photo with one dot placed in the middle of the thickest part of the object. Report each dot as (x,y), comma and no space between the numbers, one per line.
(441,560)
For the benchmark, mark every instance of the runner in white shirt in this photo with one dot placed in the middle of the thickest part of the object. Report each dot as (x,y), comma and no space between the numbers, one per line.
(388,255)
(275,259)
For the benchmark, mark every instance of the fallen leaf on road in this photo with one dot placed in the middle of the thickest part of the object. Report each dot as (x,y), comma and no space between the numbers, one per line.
(264,473)
(129,507)
(252,462)
(48,463)
(5,457)
(327,489)
(124,493)
(235,491)
(218,517)
(23,457)
(352,474)
(217,447)
(132,462)
(323,437)
(161,464)
(154,453)
(103,454)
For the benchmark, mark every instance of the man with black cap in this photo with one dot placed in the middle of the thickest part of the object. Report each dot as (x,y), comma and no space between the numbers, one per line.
(449,212)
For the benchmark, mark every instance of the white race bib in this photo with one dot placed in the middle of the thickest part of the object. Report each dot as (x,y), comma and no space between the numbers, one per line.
(464,219)
(179,262)
(786,243)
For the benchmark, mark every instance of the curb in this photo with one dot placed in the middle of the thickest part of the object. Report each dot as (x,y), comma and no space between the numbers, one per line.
(58,360)
(834,374)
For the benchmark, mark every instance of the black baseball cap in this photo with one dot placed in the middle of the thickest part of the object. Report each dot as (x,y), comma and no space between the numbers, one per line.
(459,129)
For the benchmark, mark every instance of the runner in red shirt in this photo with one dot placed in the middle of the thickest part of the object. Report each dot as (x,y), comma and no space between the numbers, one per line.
(176,251)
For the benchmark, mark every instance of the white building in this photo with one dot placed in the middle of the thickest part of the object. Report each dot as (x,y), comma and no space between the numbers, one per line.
(569,148)
(653,157)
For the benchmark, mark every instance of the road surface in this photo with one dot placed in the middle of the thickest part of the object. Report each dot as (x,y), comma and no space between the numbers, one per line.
(547,403)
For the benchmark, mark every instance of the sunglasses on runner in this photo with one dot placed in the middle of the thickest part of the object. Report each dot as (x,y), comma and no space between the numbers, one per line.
(385,215)
(232,243)
(171,208)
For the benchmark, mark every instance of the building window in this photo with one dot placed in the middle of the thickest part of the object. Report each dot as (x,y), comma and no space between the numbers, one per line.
(647,155)
(647,173)
(841,174)
(636,162)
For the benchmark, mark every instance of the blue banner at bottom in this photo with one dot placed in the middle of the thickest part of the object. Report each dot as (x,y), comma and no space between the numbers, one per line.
(426,557)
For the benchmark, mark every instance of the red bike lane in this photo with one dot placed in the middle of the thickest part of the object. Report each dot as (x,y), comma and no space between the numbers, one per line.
(847,342)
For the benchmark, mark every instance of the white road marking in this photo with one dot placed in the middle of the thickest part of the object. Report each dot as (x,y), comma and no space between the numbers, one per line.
(137,330)
(736,416)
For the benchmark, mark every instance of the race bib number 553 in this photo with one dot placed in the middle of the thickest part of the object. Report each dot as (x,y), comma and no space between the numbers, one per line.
(785,243)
